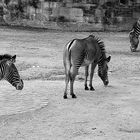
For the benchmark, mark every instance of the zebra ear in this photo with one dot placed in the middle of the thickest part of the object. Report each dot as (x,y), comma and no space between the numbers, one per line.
(108,58)
(1,57)
(13,59)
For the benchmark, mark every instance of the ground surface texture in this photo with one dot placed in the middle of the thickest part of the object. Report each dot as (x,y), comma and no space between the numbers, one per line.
(39,112)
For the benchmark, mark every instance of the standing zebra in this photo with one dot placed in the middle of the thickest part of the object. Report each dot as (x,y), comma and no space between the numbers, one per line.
(134,36)
(9,72)
(83,52)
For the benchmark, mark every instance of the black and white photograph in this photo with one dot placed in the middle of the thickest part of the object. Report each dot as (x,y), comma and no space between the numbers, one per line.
(69,70)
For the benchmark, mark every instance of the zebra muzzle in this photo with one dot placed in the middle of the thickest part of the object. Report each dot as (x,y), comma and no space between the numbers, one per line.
(106,82)
(20,85)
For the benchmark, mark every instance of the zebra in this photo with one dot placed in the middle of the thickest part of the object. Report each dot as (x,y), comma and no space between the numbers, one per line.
(9,72)
(134,36)
(85,52)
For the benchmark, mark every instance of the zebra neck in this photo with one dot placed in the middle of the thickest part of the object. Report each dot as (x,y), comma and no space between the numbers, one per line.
(2,70)
(102,58)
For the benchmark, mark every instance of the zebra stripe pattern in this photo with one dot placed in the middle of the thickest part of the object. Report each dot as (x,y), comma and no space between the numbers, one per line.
(85,53)
(134,35)
(100,43)
(136,29)
(102,47)
(9,72)
(101,73)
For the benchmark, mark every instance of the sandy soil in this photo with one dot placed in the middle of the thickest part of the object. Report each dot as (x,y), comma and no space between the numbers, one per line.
(39,112)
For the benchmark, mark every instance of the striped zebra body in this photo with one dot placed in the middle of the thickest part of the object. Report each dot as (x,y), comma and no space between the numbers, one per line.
(136,29)
(84,52)
(9,72)
(134,36)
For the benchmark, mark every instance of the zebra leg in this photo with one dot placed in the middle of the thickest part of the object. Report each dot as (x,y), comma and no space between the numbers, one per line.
(66,85)
(132,43)
(67,77)
(86,77)
(91,76)
(137,43)
(73,74)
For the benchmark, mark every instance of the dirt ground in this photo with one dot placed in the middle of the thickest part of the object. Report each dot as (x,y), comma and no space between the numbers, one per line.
(39,112)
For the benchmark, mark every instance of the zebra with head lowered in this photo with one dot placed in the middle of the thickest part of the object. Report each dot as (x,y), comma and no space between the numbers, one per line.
(134,36)
(83,52)
(9,72)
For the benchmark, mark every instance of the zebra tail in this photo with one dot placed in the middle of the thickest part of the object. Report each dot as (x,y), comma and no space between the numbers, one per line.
(69,55)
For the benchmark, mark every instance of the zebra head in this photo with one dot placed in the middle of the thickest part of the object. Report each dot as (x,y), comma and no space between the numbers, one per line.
(103,70)
(11,73)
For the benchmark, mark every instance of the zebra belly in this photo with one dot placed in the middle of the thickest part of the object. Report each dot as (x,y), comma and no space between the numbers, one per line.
(86,62)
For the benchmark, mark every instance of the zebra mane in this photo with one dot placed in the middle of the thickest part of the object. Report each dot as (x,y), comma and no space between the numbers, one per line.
(100,43)
(5,56)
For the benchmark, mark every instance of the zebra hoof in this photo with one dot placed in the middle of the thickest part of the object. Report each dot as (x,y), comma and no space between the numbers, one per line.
(65,97)
(92,88)
(73,96)
(133,50)
(86,88)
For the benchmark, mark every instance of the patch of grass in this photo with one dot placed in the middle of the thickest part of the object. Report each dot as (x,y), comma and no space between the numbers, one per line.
(24,66)
(31,73)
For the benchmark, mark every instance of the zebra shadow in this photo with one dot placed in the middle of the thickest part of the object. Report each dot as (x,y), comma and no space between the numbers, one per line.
(111,87)
(137,51)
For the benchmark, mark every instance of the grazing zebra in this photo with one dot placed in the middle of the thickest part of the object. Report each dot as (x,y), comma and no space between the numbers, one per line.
(9,72)
(134,36)
(83,52)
